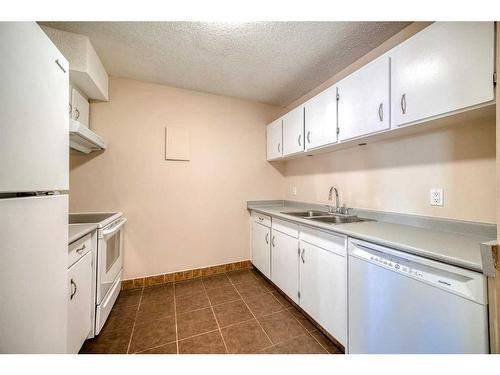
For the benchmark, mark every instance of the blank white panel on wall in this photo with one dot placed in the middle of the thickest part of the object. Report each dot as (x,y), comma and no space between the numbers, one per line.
(177,144)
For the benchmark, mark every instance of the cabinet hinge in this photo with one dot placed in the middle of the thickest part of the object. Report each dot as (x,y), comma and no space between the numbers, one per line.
(495,79)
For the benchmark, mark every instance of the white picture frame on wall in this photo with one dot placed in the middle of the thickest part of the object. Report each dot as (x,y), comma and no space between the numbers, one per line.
(177,144)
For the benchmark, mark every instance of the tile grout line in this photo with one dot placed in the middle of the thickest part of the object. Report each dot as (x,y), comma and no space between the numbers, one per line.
(310,334)
(251,312)
(135,320)
(175,319)
(215,316)
(307,331)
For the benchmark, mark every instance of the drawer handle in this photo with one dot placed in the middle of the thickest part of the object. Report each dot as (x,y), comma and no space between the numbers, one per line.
(80,250)
(272,241)
(72,293)
(77,113)
(267,238)
(300,140)
(308,136)
(261,218)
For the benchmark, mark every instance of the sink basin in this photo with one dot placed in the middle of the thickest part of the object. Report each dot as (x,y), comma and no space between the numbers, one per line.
(337,219)
(307,214)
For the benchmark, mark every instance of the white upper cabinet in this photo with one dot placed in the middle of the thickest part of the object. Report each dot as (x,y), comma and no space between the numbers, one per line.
(274,140)
(444,68)
(364,100)
(80,108)
(293,131)
(34,110)
(321,119)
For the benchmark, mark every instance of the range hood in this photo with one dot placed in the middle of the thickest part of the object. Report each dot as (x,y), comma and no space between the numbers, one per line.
(83,139)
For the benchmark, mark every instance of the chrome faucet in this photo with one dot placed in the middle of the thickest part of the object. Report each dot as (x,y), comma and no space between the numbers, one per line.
(337,201)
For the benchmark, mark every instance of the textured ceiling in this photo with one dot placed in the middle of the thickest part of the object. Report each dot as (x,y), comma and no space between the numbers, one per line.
(269,62)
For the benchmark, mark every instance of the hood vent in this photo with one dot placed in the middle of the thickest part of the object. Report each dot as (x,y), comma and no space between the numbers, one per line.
(83,139)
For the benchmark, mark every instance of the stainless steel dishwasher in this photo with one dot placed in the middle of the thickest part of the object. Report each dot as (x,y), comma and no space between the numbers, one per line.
(401,303)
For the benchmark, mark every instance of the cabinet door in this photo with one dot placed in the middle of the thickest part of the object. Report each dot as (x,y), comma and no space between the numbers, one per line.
(364,99)
(80,108)
(33,112)
(274,140)
(79,302)
(285,263)
(321,119)
(446,67)
(261,248)
(293,131)
(323,288)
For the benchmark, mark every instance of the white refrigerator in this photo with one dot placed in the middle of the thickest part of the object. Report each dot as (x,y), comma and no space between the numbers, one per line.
(34,159)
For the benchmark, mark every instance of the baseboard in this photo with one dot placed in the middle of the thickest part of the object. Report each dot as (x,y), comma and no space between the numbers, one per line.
(184,275)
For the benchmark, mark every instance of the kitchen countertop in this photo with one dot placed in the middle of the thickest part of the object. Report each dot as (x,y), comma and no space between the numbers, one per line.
(77,231)
(455,248)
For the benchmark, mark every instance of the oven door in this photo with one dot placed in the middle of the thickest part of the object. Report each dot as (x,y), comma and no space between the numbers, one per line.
(110,262)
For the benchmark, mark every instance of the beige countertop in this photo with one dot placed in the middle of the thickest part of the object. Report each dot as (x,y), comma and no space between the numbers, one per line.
(455,248)
(77,231)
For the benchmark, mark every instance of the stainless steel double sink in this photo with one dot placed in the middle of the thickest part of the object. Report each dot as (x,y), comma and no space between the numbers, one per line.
(326,217)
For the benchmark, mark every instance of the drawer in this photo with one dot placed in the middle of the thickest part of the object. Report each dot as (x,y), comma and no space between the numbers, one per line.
(332,242)
(79,248)
(286,227)
(104,308)
(261,219)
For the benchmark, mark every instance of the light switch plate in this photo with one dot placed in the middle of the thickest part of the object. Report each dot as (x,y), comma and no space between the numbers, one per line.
(294,190)
(437,197)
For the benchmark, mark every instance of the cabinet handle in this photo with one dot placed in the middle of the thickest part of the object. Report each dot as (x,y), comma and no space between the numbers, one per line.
(279,147)
(299,140)
(72,293)
(381,112)
(403,104)
(60,66)
(272,241)
(267,238)
(70,108)
(302,255)
(308,136)
(79,251)
(261,218)
(77,113)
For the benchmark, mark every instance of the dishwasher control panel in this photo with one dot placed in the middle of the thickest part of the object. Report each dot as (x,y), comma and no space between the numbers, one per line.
(396,265)
(456,282)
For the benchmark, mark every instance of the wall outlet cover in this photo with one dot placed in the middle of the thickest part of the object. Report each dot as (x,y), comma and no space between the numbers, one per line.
(294,190)
(437,197)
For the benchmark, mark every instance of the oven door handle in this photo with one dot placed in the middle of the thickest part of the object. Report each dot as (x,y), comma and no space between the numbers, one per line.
(115,228)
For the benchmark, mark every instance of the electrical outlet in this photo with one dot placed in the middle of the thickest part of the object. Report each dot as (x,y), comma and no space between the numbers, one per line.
(294,190)
(437,197)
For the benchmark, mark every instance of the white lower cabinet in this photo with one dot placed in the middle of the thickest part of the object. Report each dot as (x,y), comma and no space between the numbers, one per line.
(323,286)
(285,263)
(79,302)
(261,248)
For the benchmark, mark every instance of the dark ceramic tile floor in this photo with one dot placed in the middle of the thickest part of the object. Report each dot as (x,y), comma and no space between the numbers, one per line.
(235,312)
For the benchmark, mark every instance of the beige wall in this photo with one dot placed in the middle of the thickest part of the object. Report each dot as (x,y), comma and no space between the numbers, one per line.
(396,175)
(182,215)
